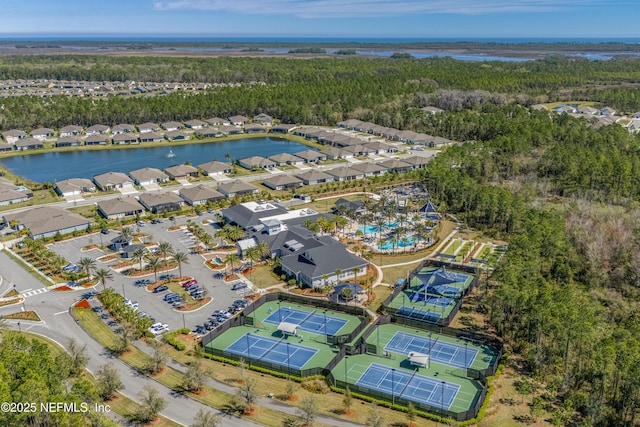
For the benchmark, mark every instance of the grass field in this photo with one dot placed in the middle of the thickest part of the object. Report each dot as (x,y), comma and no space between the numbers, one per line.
(391,275)
(263,277)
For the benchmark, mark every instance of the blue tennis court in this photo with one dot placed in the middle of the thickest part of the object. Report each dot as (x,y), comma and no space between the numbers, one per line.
(272,350)
(440,289)
(409,385)
(428,299)
(416,313)
(307,321)
(454,355)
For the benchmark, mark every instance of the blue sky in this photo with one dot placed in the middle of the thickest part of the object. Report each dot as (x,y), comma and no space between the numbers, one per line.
(322,18)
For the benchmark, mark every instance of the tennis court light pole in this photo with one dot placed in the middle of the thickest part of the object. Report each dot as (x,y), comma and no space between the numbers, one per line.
(346,358)
(442,396)
(465,358)
(393,386)
(288,363)
(248,348)
(326,338)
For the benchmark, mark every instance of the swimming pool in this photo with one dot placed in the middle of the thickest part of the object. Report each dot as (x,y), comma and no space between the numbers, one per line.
(411,240)
(368,229)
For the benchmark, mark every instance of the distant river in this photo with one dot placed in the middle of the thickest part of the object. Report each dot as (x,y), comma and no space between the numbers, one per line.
(56,166)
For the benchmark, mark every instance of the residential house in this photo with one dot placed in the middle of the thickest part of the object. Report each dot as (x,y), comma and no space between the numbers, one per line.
(42,133)
(96,139)
(146,176)
(589,111)
(237,187)
(304,131)
(68,141)
(215,168)
(159,203)
(125,138)
(335,153)
(217,121)
(312,177)
(345,173)
(182,172)
(151,137)
(358,150)
(263,119)
(177,135)
(47,221)
(28,144)
(113,180)
(148,127)
(121,207)
(286,159)
(564,108)
(238,120)
(282,128)
(170,126)
(369,169)
(5,147)
(344,205)
(230,130)
(256,162)
(70,131)
(417,162)
(396,165)
(200,195)
(381,148)
(11,193)
(282,182)
(254,128)
(607,111)
(352,124)
(13,135)
(123,128)
(311,156)
(97,129)
(75,187)
(208,133)
(249,214)
(195,124)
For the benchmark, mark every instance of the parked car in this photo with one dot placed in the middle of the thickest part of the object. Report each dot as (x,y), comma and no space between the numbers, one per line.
(161,288)
(169,296)
(237,286)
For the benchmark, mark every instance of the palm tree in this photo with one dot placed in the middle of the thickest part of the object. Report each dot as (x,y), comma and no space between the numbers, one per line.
(380,224)
(232,259)
(154,264)
(341,222)
(253,254)
(166,250)
(102,275)
(181,258)
(87,265)
(206,240)
(138,255)
(263,249)
(126,233)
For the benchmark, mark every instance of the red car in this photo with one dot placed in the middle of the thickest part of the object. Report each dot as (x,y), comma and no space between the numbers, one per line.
(189,283)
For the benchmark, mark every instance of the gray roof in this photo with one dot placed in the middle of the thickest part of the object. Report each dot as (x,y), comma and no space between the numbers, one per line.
(98,128)
(120,205)
(48,219)
(148,126)
(75,184)
(262,117)
(96,138)
(367,167)
(176,134)
(43,132)
(9,191)
(125,137)
(284,127)
(123,127)
(314,175)
(394,164)
(28,142)
(146,174)
(345,172)
(195,123)
(171,125)
(246,218)
(216,121)
(310,155)
(111,178)
(155,199)
(151,136)
(180,170)
(71,129)
(200,192)
(416,160)
(254,127)
(16,133)
(238,119)
(236,186)
(215,166)
(257,161)
(321,260)
(282,179)
(284,158)
(69,139)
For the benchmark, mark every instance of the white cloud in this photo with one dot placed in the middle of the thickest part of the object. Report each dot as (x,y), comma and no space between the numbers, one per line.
(369,8)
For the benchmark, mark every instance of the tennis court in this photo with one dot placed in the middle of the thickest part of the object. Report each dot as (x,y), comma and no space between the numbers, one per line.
(428,299)
(416,313)
(407,385)
(449,354)
(279,352)
(440,289)
(307,321)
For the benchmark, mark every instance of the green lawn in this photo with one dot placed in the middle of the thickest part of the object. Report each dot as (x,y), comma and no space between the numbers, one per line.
(263,277)
(40,197)
(90,321)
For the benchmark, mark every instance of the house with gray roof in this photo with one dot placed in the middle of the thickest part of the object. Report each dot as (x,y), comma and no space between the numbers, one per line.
(209,133)
(369,169)
(75,187)
(282,128)
(254,128)
(396,165)
(181,171)
(97,129)
(96,139)
(345,173)
(335,153)
(352,124)
(42,133)
(195,124)
(380,147)
(68,141)
(146,176)
(177,135)
(70,130)
(47,221)
(148,127)
(159,203)
(112,181)
(28,144)
(237,188)
(417,162)
(217,121)
(282,182)
(125,138)
(263,118)
(123,128)
(230,130)
(238,120)
(215,168)
(200,195)
(311,156)
(121,207)
(151,137)
(312,177)
(169,126)
(303,131)
(359,150)
(11,193)
(5,147)
(286,159)
(247,215)
(13,135)
(256,162)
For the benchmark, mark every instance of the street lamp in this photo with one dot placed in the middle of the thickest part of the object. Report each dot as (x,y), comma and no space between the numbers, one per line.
(346,358)
(442,384)
(279,312)
(393,386)
(19,328)
(465,358)
(184,324)
(123,292)
(326,338)
(288,364)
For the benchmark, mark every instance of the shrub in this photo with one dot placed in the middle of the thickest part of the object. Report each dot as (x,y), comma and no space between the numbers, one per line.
(316,385)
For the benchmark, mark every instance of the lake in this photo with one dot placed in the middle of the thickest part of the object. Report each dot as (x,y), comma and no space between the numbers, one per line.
(56,166)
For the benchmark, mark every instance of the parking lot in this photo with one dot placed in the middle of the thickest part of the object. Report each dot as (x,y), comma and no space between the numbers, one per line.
(134,288)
